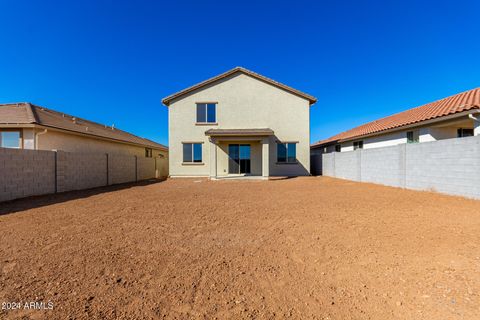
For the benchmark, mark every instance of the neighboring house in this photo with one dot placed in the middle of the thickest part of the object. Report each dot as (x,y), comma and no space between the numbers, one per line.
(27,126)
(239,123)
(453,117)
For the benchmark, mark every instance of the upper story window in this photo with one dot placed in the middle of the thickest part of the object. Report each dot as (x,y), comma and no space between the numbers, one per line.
(338,148)
(464,133)
(10,139)
(412,136)
(286,152)
(206,112)
(358,145)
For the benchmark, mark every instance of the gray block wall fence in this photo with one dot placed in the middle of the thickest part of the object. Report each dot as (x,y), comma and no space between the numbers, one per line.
(26,173)
(449,166)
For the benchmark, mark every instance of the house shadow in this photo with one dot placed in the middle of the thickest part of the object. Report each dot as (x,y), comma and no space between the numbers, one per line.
(32,202)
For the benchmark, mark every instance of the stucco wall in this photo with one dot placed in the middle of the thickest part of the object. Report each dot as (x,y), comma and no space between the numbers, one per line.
(449,166)
(243,103)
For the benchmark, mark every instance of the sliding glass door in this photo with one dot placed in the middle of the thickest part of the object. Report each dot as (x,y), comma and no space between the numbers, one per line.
(238,158)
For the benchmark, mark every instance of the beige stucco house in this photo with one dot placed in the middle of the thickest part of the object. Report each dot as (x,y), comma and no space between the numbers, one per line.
(27,126)
(239,123)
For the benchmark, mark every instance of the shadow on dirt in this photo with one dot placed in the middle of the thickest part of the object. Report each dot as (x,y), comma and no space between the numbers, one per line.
(22,204)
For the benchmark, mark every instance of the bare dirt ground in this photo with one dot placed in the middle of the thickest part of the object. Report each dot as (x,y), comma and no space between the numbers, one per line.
(304,248)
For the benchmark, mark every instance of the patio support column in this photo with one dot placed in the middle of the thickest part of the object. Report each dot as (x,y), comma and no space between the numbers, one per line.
(213,158)
(265,157)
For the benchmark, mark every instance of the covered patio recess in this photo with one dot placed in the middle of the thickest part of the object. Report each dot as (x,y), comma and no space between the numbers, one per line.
(236,153)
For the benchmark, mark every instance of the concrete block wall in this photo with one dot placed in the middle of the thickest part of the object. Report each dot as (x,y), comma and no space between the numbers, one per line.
(121,169)
(347,165)
(146,168)
(162,167)
(328,164)
(384,166)
(26,173)
(449,166)
(77,171)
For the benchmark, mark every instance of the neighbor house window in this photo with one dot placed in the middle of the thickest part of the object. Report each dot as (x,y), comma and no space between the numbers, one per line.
(206,113)
(412,137)
(358,145)
(148,152)
(10,139)
(286,152)
(464,133)
(192,152)
(338,148)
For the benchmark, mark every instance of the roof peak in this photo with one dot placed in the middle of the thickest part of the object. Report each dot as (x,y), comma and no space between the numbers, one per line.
(167,100)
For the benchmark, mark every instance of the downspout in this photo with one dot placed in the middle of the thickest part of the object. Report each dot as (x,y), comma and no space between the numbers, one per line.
(476,127)
(473,118)
(36,137)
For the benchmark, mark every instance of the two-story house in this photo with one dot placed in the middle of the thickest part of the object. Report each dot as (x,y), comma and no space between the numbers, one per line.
(239,123)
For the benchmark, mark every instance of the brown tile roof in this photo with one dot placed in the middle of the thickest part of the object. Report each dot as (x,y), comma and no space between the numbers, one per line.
(460,102)
(239,132)
(16,113)
(27,113)
(166,101)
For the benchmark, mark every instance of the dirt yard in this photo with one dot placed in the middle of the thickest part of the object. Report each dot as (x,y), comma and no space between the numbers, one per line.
(303,248)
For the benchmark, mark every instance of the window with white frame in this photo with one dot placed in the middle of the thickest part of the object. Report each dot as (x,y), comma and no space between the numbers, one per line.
(10,139)
(286,152)
(206,113)
(192,152)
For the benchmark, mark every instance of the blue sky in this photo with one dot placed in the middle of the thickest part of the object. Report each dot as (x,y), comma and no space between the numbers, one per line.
(113,61)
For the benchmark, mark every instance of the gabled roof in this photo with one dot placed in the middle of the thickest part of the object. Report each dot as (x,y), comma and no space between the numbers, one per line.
(27,113)
(461,102)
(166,101)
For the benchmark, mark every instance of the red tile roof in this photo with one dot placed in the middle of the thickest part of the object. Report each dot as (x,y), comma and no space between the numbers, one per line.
(27,113)
(166,101)
(460,102)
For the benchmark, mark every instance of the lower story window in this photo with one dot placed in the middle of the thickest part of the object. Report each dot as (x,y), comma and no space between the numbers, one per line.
(464,132)
(10,139)
(192,152)
(358,145)
(286,152)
